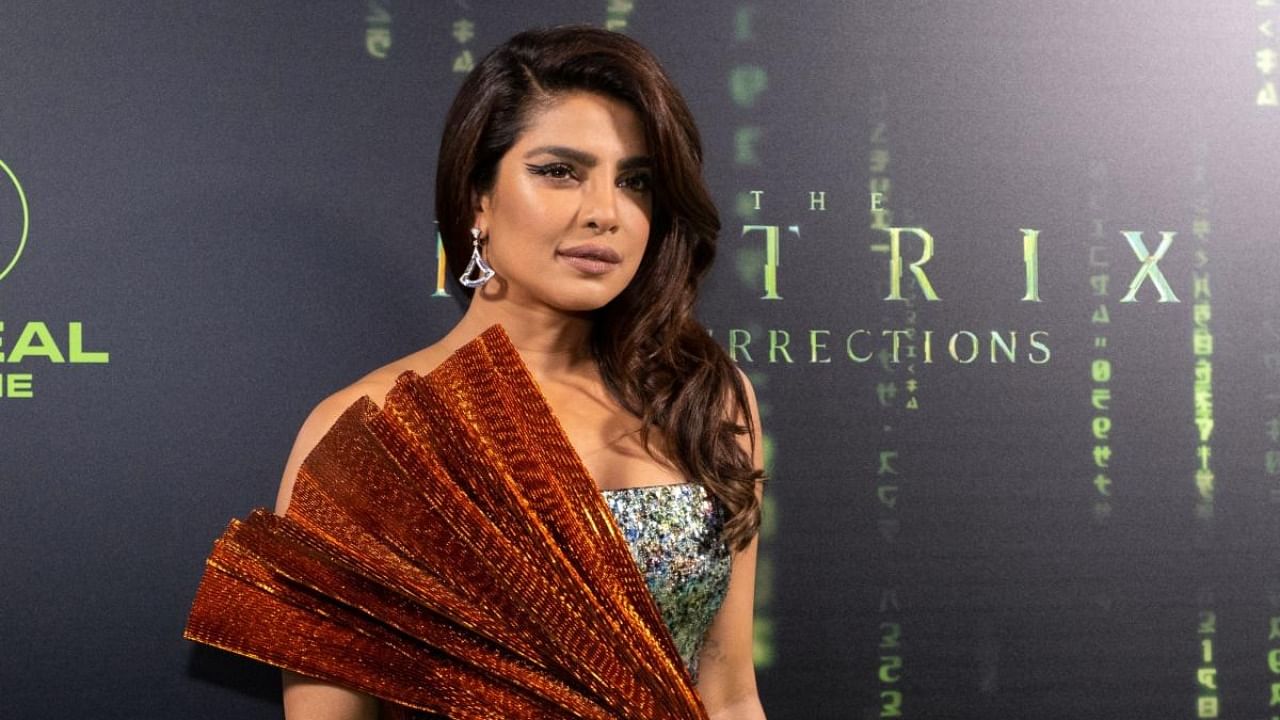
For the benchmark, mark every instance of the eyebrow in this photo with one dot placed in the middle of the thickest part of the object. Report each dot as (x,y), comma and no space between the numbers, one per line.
(587,159)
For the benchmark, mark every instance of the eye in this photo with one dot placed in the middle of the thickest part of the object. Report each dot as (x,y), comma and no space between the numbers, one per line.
(555,171)
(642,182)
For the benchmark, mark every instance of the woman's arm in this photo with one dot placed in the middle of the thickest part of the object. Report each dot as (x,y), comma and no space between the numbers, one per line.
(306,698)
(726,670)
(310,699)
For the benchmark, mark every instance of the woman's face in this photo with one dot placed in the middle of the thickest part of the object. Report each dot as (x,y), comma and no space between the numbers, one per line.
(577,181)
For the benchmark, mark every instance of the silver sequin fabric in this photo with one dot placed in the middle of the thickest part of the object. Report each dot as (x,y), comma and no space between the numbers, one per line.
(674,535)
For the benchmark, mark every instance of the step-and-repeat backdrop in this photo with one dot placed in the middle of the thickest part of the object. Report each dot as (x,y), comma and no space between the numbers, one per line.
(1004,274)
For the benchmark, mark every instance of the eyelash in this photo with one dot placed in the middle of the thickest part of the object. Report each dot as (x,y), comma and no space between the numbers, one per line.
(555,167)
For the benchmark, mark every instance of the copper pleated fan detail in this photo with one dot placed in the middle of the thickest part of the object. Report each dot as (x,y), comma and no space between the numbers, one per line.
(449,553)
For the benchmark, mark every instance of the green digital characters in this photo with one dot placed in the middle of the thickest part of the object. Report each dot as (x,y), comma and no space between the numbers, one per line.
(1100,367)
(377,33)
(1202,399)
(746,83)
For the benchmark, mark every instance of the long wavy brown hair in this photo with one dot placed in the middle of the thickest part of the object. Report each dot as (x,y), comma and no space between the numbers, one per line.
(657,360)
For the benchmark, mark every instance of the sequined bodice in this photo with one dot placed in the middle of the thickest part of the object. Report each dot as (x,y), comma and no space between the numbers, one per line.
(674,535)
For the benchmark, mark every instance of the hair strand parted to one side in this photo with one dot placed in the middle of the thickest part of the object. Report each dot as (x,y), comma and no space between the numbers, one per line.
(657,360)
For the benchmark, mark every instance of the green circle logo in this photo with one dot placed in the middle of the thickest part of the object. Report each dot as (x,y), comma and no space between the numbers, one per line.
(6,266)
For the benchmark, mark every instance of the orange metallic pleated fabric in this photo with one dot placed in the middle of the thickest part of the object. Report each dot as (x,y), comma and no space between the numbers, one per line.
(449,553)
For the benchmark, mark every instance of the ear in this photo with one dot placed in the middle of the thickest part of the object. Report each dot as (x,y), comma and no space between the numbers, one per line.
(479,207)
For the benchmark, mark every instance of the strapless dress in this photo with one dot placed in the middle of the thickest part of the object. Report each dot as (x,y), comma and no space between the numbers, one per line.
(674,535)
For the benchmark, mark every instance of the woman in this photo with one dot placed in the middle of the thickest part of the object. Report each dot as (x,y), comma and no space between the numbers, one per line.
(569,188)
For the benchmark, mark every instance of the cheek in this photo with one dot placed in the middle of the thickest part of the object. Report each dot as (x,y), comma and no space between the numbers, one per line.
(527,201)
(523,202)
(639,218)
(637,254)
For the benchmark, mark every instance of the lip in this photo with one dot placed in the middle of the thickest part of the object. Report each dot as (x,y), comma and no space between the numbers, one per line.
(592,251)
(591,259)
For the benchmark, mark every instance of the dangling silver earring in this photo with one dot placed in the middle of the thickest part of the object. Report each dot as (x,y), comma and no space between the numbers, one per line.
(486,272)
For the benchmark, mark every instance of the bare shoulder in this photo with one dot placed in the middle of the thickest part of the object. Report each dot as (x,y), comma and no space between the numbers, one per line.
(752,406)
(375,385)
(750,441)
(746,384)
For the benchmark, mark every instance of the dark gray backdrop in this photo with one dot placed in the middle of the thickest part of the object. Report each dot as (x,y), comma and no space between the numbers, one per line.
(233,201)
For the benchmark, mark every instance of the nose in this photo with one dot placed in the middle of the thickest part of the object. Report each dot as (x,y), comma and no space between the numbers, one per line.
(600,206)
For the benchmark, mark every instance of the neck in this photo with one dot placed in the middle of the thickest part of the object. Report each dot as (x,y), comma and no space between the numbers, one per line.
(552,343)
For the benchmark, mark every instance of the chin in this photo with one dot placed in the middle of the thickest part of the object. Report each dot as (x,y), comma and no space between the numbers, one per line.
(585,302)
